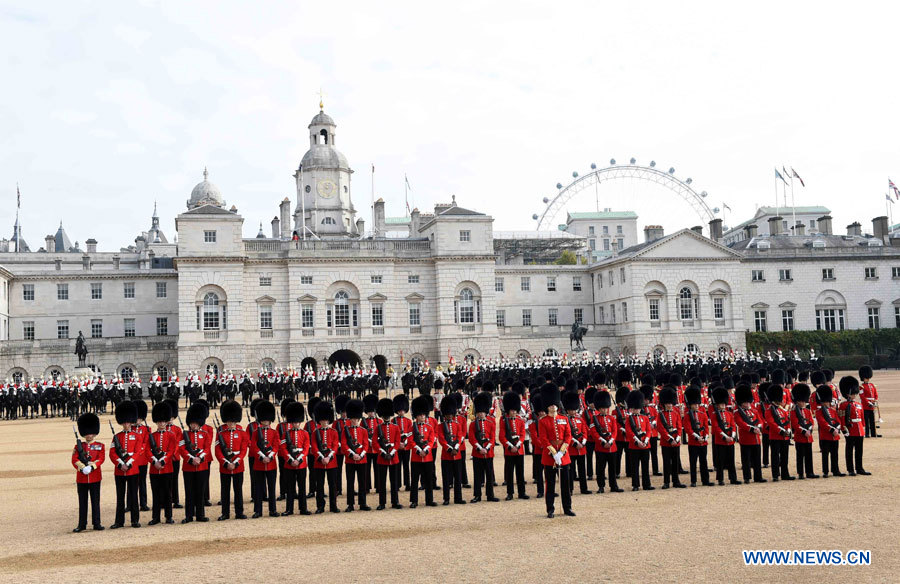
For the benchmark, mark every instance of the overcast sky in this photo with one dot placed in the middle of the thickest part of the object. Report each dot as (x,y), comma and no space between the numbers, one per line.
(110,106)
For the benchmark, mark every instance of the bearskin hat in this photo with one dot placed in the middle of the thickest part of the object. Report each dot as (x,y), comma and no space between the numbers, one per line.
(775,393)
(518,387)
(512,402)
(421,405)
(778,376)
(621,395)
(537,403)
(89,424)
(205,405)
(340,402)
(800,393)
(324,412)
(817,378)
(571,401)
(370,401)
(173,406)
(439,384)
(589,394)
(792,373)
(265,411)
(231,411)
(161,412)
(481,402)
(743,394)
(294,412)
(635,400)
(311,406)
(865,372)
(624,375)
(849,386)
(647,391)
(126,412)
(599,378)
(550,395)
(668,395)
(829,374)
(284,404)
(384,408)
(354,409)
(141,406)
(675,379)
(692,395)
(602,399)
(458,398)
(448,407)
(196,414)
(253,405)
(727,382)
(401,403)
(489,387)
(648,379)
(824,395)
(719,395)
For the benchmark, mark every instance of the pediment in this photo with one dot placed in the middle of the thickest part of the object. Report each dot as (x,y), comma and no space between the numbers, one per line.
(377,297)
(759,305)
(307,298)
(415,296)
(687,244)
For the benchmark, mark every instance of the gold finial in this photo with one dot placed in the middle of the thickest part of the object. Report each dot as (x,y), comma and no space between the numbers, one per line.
(321,100)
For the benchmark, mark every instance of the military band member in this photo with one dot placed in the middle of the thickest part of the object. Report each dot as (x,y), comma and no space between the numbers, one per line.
(294,452)
(780,433)
(577,447)
(482,433)
(829,425)
(87,458)
(605,430)
(355,443)
(512,438)
(724,436)
(802,427)
(123,453)
(143,458)
(401,406)
(556,437)
(232,445)
(196,452)
(868,395)
(264,445)
(163,450)
(853,426)
(323,449)
(450,436)
(669,427)
(750,432)
(695,425)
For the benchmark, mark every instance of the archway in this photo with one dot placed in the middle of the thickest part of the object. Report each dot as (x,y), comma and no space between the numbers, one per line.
(344,357)
(380,363)
(309,362)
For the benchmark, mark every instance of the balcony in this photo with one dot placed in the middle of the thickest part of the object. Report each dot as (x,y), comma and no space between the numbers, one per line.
(308,332)
(211,335)
(415,330)
(467,328)
(343,332)
(377,330)
(266,334)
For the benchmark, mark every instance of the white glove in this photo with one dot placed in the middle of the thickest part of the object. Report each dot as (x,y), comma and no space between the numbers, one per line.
(87,470)
(558,458)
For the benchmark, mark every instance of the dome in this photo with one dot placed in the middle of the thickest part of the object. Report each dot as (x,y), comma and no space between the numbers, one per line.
(323,155)
(322,119)
(205,193)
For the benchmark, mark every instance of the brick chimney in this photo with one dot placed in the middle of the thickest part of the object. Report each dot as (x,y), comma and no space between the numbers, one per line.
(824,224)
(775,225)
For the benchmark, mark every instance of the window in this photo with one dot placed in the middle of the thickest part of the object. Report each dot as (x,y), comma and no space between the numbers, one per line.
(96,291)
(342,309)
(601,314)
(127,374)
(784,275)
(465,235)
(622,275)
(612,313)
(27,291)
(654,309)
(466,306)
(553,316)
(62,291)
(306,280)
(624,312)
(378,314)
(874,317)
(412,279)
(329,221)
(757,276)
(129,327)
(265,317)
(784,226)
(96,328)
(306,316)
(211,311)
(265,281)
(590,230)
(579,315)
(787,320)
(525,284)
(415,314)
(828,273)
(600,281)
(551,283)
(895,272)
(163,372)
(526,317)
(621,243)
(498,285)
(611,278)
(62,329)
(691,348)
(686,304)
(871,274)
(576,283)
(162,329)
(606,230)
(830,319)
(128,289)
(759,316)
(28,330)
(605,245)
(375,279)
(618,230)
(209,236)
(501,317)
(161,291)
(719,308)
(897,316)
(593,243)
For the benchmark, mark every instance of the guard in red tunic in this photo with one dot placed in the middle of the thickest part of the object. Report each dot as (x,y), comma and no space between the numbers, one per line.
(282,428)
(370,422)
(482,433)
(802,426)
(196,452)
(695,425)
(556,437)
(176,463)
(868,395)
(578,444)
(604,429)
(450,436)
(724,436)
(163,449)
(87,458)
(853,426)
(123,452)
(143,458)
(780,432)
(355,444)
(463,421)
(294,453)
(537,446)
(651,410)
(232,445)
(637,431)
(323,449)
(512,438)
(621,413)
(340,422)
(750,431)
(264,446)
(829,424)
(387,437)
(401,406)
(422,453)
(669,427)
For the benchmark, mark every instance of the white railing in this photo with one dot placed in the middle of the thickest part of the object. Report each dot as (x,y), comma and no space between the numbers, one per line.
(308,332)
(211,335)
(377,330)
(266,334)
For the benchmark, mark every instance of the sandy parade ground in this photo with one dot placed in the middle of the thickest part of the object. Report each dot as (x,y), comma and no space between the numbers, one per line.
(661,536)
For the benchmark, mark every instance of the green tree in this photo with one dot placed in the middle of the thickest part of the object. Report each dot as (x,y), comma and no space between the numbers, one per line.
(567,258)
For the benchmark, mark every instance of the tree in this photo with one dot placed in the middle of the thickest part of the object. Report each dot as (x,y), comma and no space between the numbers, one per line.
(567,258)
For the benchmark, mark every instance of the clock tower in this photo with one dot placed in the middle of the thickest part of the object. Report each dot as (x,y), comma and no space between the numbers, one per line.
(323,185)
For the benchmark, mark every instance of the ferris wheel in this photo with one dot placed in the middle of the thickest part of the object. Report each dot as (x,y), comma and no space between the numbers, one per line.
(632,170)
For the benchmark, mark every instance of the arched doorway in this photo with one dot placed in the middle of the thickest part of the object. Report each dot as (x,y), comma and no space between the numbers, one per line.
(344,357)
(380,363)
(309,362)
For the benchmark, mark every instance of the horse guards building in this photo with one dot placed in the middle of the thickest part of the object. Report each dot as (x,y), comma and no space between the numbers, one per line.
(429,286)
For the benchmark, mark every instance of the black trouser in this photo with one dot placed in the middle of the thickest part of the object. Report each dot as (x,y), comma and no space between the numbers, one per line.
(331,475)
(176,470)
(465,470)
(381,477)
(356,471)
(780,452)
(451,476)
(698,454)
(483,469)
(750,461)
(576,470)
(425,471)
(84,490)
(654,455)
(404,466)
(295,485)
(162,494)
(869,417)
(142,485)
(282,478)
(853,453)
(514,463)
(565,487)
(670,456)
(829,452)
(340,473)
(606,464)
(621,448)
(194,493)
(765,450)
(640,469)
(226,482)
(127,487)
(370,469)
(589,459)
(254,481)
(726,462)
(537,472)
(804,459)
(265,490)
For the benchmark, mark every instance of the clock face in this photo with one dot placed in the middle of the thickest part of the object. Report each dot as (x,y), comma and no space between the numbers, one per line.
(326,188)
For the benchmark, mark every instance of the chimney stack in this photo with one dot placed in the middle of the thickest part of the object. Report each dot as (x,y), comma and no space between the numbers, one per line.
(880,229)
(775,225)
(698,229)
(284,210)
(854,228)
(751,230)
(414,223)
(653,232)
(715,230)
(276,227)
(49,243)
(360,226)
(380,220)
(615,247)
(800,228)
(824,224)
(91,245)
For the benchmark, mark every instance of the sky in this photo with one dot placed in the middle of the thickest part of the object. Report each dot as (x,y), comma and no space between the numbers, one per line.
(110,107)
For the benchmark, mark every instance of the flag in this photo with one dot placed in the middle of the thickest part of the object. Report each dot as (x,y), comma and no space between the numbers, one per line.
(726,206)
(888,197)
(797,176)
(784,170)
(406,180)
(778,175)
(891,186)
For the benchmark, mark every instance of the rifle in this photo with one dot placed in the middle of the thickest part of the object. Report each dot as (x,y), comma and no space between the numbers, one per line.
(387,448)
(419,439)
(636,430)
(403,436)
(801,421)
(776,417)
(510,436)
(669,430)
(124,456)
(723,427)
(324,452)
(261,443)
(480,438)
(154,447)
(83,455)
(829,421)
(577,436)
(448,436)
(604,434)
(695,427)
(352,444)
(747,419)
(294,453)
(226,451)
(188,445)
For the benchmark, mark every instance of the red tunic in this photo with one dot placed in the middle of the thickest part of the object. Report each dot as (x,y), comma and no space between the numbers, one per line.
(726,427)
(852,418)
(271,443)
(637,427)
(426,436)
(360,437)
(389,433)
(554,432)
(868,395)
(371,425)
(203,444)
(535,434)
(324,443)
(604,425)
(168,446)
(487,429)
(779,429)
(97,452)
(698,436)
(142,458)
(131,442)
(236,441)
(652,413)
(671,419)
(801,437)
(746,435)
(579,428)
(449,435)
(463,422)
(405,425)
(828,422)
(297,458)
(515,436)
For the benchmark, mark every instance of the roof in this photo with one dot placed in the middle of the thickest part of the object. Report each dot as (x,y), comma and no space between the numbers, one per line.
(456,210)
(805,241)
(536,235)
(782,211)
(603,215)
(396,221)
(324,155)
(208,210)
(636,250)
(61,240)
(322,119)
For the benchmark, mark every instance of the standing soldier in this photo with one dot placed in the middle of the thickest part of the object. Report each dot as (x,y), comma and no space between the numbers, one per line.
(537,447)
(749,426)
(577,446)
(450,435)
(868,394)
(670,437)
(294,453)
(87,458)
(176,462)
(323,449)
(264,446)
(696,425)
(724,436)
(555,456)
(401,406)
(196,452)
(604,430)
(232,444)
(482,433)
(341,421)
(355,443)
(143,458)
(651,410)
(370,423)
(621,435)
(638,434)
(387,464)
(422,453)
(163,449)
(780,432)
(802,427)
(123,453)
(853,426)
(512,437)
(829,430)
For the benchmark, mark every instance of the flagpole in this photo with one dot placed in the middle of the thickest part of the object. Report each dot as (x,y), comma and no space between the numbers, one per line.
(776,192)
(373,199)
(18,227)
(793,206)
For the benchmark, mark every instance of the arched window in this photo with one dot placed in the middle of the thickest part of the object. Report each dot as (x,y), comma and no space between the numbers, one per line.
(268,365)
(467,307)
(18,377)
(163,372)
(341,309)
(126,373)
(212,369)
(213,318)
(55,374)
(328,221)
(523,355)
(323,136)
(659,352)
(692,348)
(469,358)
(551,353)
(686,304)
